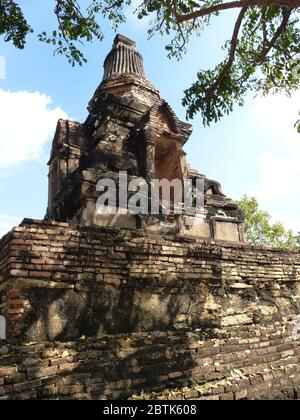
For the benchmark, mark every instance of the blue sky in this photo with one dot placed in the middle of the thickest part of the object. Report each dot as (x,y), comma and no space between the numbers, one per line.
(253,151)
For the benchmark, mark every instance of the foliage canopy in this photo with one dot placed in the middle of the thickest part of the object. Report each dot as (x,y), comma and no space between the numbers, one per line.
(262,54)
(260,230)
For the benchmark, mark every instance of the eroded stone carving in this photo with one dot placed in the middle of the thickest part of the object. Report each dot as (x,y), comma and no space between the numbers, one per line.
(130,128)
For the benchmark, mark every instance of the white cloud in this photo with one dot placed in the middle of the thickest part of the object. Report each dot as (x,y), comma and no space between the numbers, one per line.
(27,121)
(7,223)
(278,189)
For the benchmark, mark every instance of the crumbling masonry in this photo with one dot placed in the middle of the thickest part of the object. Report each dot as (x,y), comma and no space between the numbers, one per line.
(105,307)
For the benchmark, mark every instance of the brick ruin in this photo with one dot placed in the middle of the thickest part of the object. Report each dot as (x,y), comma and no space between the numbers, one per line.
(103,308)
(130,128)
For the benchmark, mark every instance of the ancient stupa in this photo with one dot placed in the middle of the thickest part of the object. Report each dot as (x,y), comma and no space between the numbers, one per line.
(130,128)
(110,306)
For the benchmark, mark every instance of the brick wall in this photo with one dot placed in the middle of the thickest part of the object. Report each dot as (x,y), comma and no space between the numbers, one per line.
(173,317)
(252,362)
(59,282)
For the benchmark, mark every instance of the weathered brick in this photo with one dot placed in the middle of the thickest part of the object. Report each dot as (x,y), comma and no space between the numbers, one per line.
(43,372)
(7,371)
(227,397)
(70,389)
(31,385)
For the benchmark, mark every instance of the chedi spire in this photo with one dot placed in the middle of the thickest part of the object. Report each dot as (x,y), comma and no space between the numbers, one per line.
(123,59)
(124,75)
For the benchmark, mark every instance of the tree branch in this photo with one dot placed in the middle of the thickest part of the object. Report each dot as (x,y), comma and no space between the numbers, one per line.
(233,48)
(270,44)
(204,11)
